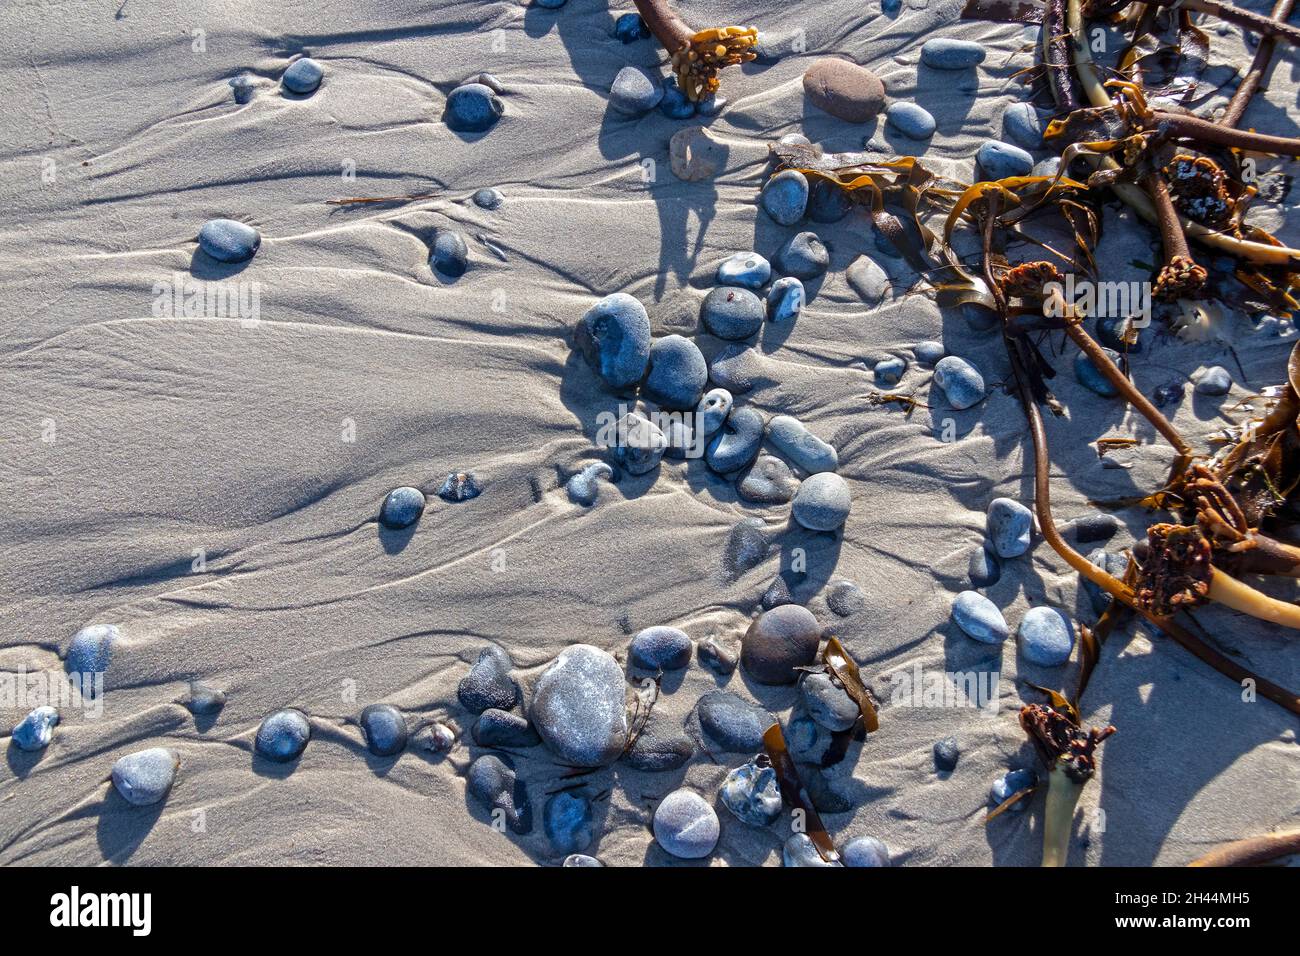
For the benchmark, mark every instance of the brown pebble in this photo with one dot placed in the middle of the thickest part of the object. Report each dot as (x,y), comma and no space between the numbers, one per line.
(845,90)
(782,639)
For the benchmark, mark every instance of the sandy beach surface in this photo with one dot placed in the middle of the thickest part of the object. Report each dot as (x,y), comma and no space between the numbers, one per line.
(210,485)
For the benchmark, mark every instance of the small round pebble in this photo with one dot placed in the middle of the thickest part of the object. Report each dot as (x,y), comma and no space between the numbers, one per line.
(204,699)
(800,851)
(929,353)
(35,731)
(828,703)
(804,256)
(778,642)
(945,53)
(913,121)
(566,819)
(978,617)
(889,372)
(1000,160)
(449,255)
(865,851)
(752,794)
(785,197)
(1095,527)
(303,76)
(746,269)
(768,481)
(1009,525)
(635,91)
(822,502)
(1009,784)
(675,104)
(660,648)
(402,507)
(677,375)
(1215,380)
(685,825)
(961,382)
(1046,637)
(488,198)
(731,313)
(242,88)
(144,778)
(1091,378)
(946,754)
(229,241)
(614,337)
(473,108)
(629,28)
(283,735)
(433,738)
(712,410)
(984,567)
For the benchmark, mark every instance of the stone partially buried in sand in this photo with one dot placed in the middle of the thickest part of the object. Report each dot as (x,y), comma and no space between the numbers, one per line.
(229,241)
(144,778)
(779,641)
(449,255)
(946,53)
(488,683)
(614,338)
(685,825)
(303,76)
(694,154)
(845,90)
(89,653)
(473,108)
(769,481)
(731,723)
(639,444)
(736,444)
(384,728)
(402,507)
(283,735)
(805,256)
(579,707)
(635,91)
(822,502)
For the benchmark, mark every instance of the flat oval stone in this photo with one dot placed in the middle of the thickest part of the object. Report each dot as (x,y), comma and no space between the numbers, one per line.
(984,567)
(785,300)
(961,382)
(229,241)
(640,444)
(1046,637)
(584,487)
(713,410)
(945,53)
(1215,380)
(845,598)
(500,728)
(769,481)
(731,313)
(793,439)
(868,280)
(614,338)
(946,754)
(303,76)
(780,640)
(748,270)
(473,108)
(752,794)
(785,197)
(736,444)
(736,368)
(384,728)
(685,825)
(827,202)
(929,353)
(492,782)
(402,507)
(1020,122)
(1091,378)
(822,502)
(566,820)
(1010,525)
(865,851)
(845,90)
(677,375)
(35,731)
(828,703)
(675,104)
(800,851)
(889,372)
(732,723)
(635,91)
(89,653)
(579,707)
(804,256)
(913,121)
(488,198)
(658,751)
(144,777)
(978,617)
(1002,160)
(660,648)
(488,683)
(283,735)
(449,255)
(1094,527)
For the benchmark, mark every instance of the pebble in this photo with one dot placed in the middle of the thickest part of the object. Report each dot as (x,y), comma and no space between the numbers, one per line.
(89,653)
(778,642)
(731,313)
(845,598)
(473,108)
(945,53)
(283,735)
(823,794)
(719,657)
(978,617)
(828,703)
(1095,527)
(1046,637)
(242,88)
(1010,783)
(946,754)
(1215,380)
(793,439)
(460,486)
(736,368)
(614,338)
(800,850)
(752,794)
(746,269)
(961,382)
(1020,122)
(804,256)
(566,819)
(891,6)
(712,410)
(747,546)
(736,444)
(1046,167)
(303,76)
(801,734)
(492,781)
(434,738)
(1001,160)
(144,777)
(1090,377)
(635,91)
(827,202)
(685,825)
(449,255)
(864,851)
(35,731)
(402,507)
(984,568)
(677,373)
(660,649)
(229,241)
(579,706)
(488,198)
(500,728)
(384,728)
(675,104)
(629,28)
(694,154)
(1169,394)
(489,80)
(822,502)
(1009,525)
(655,751)
(785,197)
(889,372)
(204,699)
(732,723)
(913,121)
(845,90)
(781,590)
(581,859)
(768,481)
(1113,564)
(868,280)
(583,487)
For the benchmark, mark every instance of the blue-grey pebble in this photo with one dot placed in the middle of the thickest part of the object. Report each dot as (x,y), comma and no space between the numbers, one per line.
(488,683)
(229,241)
(984,567)
(584,487)
(581,859)
(384,728)
(1113,564)
(1215,380)
(492,782)
(144,777)
(579,706)
(89,653)
(460,486)
(614,337)
(768,481)
(567,821)
(827,202)
(282,735)
(1020,122)
(731,723)
(785,299)
(865,851)
(1091,378)
(804,256)
(712,410)
(747,545)
(488,198)
(242,88)
(1000,160)
(889,372)
(685,825)
(402,507)
(657,750)
(640,444)
(675,104)
(792,439)
(828,703)
(785,197)
(500,728)
(929,353)
(635,91)
(978,617)
(946,53)
(891,6)
(736,368)
(677,373)
(961,382)
(732,313)
(1094,527)
(449,255)
(752,794)
(550,4)
(473,108)
(629,28)
(913,121)
(822,502)
(204,698)
(845,598)
(1046,637)
(35,731)
(746,269)
(801,734)
(1010,527)
(660,648)
(736,444)
(800,851)
(303,76)
(1010,783)
(946,754)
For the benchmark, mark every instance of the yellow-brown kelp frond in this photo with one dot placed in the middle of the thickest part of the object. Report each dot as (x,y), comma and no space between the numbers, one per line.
(698,63)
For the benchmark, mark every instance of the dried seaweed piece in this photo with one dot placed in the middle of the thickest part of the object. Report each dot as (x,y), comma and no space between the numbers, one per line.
(845,670)
(793,792)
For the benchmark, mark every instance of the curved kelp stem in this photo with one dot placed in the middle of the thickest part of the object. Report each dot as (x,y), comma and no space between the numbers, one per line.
(697,57)
(1252,851)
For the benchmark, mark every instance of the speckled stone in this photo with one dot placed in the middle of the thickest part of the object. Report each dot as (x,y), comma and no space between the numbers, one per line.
(449,256)
(614,338)
(229,241)
(656,750)
(579,707)
(473,108)
(946,754)
(584,487)
(35,731)
(747,546)
(303,76)
(635,91)
(1046,637)
(1010,526)
(145,777)
(845,598)
(283,735)
(785,197)
(204,699)
(822,502)
(677,373)
(660,648)
(1215,380)
(685,825)
(500,728)
(865,851)
(488,198)
(566,819)
(778,642)
(998,160)
(978,617)
(89,652)
(402,507)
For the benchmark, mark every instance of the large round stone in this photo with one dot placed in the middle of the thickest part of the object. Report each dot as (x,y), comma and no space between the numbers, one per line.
(781,639)
(614,338)
(579,707)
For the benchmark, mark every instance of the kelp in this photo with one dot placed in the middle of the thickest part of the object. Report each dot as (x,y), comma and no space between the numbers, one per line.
(794,794)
